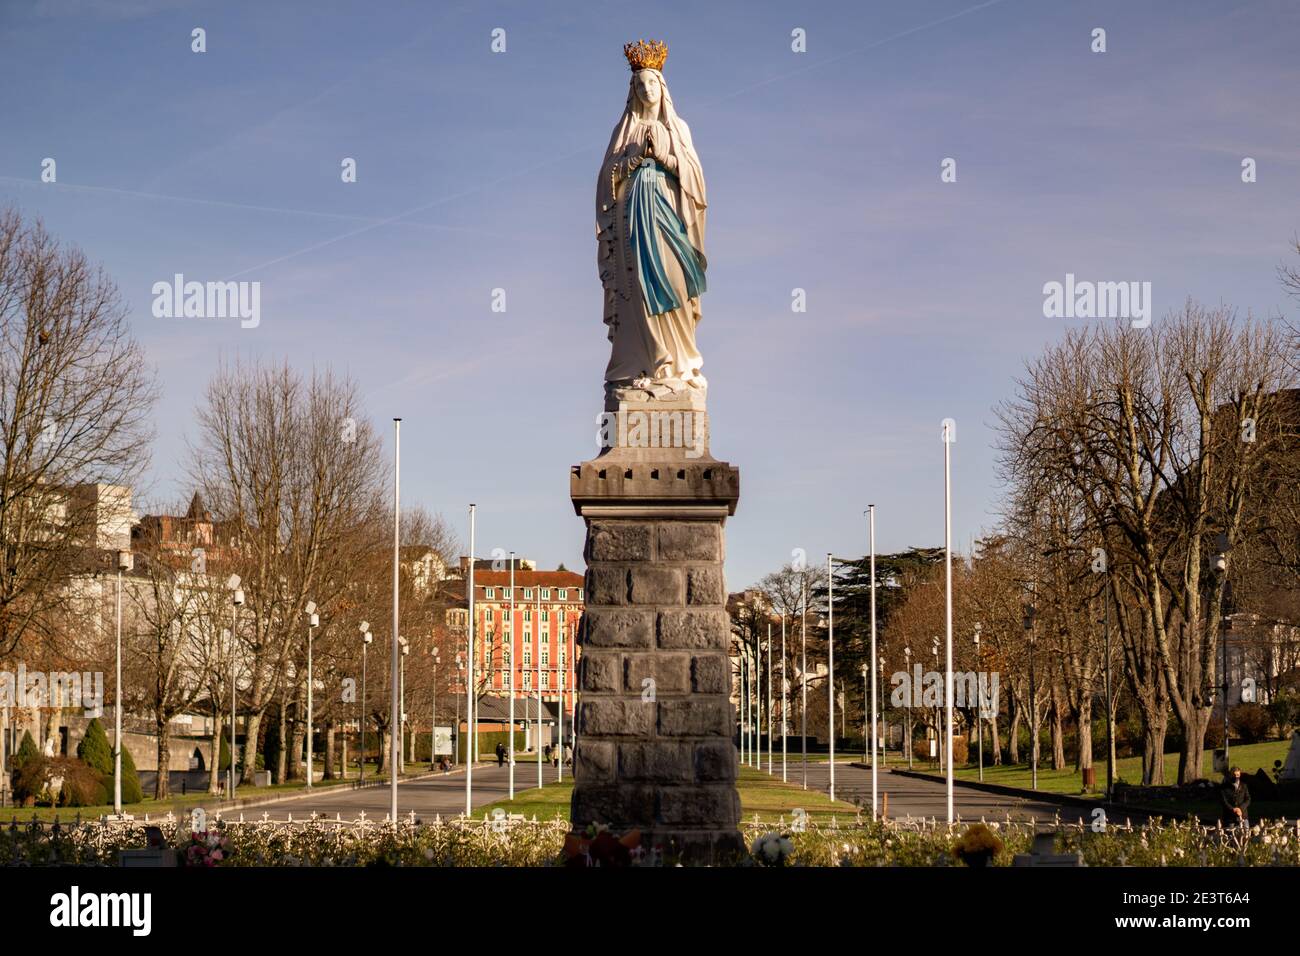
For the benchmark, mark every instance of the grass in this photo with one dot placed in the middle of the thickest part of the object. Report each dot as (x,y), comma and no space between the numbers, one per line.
(1250,757)
(178,804)
(760,794)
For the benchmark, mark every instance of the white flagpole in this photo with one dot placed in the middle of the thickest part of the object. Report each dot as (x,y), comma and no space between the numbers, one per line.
(830,664)
(947,610)
(511,667)
(537,632)
(769,697)
(871,512)
(469,683)
(395,725)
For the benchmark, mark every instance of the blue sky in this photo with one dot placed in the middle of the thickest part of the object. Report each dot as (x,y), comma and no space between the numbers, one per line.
(476,171)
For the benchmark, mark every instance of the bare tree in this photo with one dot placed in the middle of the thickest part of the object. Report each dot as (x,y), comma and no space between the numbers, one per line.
(75,398)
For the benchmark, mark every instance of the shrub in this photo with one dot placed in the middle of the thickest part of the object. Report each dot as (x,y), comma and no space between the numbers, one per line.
(26,750)
(61,782)
(960,749)
(1251,722)
(95,750)
(131,792)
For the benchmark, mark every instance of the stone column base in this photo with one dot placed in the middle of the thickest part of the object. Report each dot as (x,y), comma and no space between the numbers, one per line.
(655,719)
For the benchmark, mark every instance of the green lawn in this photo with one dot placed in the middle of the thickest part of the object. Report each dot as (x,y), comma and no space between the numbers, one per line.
(179,804)
(1249,757)
(760,794)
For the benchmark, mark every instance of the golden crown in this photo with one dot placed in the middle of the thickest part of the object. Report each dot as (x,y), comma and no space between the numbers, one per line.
(645,56)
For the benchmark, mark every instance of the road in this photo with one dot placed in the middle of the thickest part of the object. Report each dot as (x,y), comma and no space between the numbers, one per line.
(910,797)
(443,794)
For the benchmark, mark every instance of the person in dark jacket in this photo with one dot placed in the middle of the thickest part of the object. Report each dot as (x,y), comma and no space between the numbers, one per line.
(1236,799)
(501,754)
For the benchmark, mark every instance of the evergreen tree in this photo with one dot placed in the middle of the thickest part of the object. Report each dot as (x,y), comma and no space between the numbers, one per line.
(26,750)
(95,751)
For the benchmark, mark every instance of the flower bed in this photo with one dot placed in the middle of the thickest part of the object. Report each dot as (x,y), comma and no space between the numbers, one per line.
(320,842)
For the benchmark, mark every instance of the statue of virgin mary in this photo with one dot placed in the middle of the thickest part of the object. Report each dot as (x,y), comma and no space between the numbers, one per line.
(650,210)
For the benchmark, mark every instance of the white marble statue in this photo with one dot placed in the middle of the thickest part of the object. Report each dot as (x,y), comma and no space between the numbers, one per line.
(650,211)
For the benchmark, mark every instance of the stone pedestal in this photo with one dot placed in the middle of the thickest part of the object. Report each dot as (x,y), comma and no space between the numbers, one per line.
(654,749)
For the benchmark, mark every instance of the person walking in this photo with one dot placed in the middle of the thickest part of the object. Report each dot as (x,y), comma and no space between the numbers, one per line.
(501,754)
(1236,800)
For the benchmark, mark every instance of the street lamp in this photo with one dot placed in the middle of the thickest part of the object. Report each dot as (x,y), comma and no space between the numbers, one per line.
(907,654)
(401,703)
(236,602)
(979,699)
(125,561)
(313,622)
(366,638)
(433,711)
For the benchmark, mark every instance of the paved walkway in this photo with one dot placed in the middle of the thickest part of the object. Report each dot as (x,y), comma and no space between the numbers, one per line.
(441,794)
(912,798)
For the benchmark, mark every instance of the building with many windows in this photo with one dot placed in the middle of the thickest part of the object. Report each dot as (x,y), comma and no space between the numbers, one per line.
(539,644)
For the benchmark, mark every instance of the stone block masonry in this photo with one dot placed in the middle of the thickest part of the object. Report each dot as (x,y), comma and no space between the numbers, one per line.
(654,749)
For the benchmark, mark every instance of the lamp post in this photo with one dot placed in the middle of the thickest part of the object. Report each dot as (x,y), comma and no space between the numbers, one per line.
(979,700)
(785,700)
(866,716)
(1110,717)
(907,654)
(125,561)
(236,602)
(313,622)
(1225,623)
(559,672)
(1031,614)
(404,649)
(366,638)
(803,679)
(768,696)
(433,711)
(455,750)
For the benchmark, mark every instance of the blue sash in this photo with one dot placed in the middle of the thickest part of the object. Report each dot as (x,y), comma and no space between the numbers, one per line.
(647,209)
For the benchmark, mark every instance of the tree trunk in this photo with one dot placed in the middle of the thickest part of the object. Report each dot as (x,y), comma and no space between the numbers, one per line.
(214,765)
(1084,721)
(282,751)
(1058,733)
(252,727)
(1190,760)
(160,786)
(329,750)
(1013,735)
(1153,751)
(994,742)
(382,762)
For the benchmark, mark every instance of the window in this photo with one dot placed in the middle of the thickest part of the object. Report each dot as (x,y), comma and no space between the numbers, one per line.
(546,594)
(546,656)
(528,614)
(528,594)
(564,594)
(490,593)
(528,680)
(579,593)
(546,680)
(564,657)
(528,657)
(505,593)
(546,616)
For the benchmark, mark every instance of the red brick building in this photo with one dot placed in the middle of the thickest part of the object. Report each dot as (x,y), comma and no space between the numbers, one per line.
(547,609)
